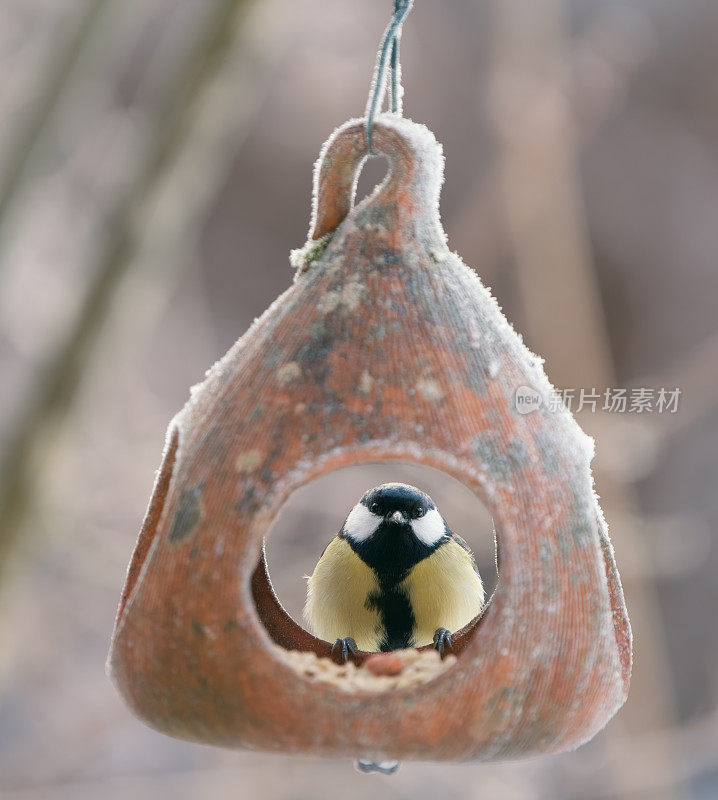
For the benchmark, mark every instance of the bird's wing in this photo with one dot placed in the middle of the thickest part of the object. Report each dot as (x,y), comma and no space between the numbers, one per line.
(462,543)
(337,594)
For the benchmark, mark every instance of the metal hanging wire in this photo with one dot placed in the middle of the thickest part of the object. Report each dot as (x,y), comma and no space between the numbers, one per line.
(388,52)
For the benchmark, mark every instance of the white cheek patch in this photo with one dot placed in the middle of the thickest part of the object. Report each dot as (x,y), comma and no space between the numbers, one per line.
(429,528)
(361,523)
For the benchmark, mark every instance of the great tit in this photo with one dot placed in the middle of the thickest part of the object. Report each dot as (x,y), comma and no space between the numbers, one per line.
(395,576)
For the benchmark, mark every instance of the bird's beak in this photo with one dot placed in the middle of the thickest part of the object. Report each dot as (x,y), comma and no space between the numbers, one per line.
(398,516)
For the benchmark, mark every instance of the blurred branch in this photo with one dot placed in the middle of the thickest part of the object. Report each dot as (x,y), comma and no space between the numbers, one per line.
(57,78)
(58,385)
(694,745)
(221,123)
(696,374)
(480,226)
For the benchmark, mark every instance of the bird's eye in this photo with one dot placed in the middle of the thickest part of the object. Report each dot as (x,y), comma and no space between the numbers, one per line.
(419,511)
(374,508)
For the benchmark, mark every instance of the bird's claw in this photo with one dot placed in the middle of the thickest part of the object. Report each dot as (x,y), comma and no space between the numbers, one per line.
(442,640)
(343,647)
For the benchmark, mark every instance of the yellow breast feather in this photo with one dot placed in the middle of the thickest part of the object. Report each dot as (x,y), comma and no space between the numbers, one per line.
(336,598)
(445,591)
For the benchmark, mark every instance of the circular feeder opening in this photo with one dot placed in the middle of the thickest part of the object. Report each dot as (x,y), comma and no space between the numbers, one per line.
(311,518)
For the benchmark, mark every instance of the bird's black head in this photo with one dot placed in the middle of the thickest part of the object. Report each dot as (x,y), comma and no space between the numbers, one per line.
(397,503)
(393,527)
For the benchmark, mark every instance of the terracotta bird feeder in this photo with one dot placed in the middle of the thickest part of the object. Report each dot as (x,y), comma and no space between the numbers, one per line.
(386,347)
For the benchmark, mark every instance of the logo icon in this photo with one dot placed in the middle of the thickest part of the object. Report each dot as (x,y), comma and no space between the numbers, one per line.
(527,399)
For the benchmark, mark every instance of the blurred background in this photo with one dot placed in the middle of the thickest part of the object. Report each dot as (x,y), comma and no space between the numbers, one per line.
(155,170)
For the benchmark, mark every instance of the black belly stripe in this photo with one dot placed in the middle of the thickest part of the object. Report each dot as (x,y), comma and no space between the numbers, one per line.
(396,614)
(392,553)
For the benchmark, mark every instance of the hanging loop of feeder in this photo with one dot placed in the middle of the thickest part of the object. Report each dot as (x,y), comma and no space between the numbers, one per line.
(408,196)
(386,347)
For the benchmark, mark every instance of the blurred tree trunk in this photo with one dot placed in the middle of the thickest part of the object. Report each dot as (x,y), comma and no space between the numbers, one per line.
(30,133)
(563,317)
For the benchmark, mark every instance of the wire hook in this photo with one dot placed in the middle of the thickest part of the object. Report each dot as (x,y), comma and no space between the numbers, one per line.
(392,37)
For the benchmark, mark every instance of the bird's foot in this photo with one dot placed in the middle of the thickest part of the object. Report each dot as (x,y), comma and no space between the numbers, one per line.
(442,641)
(342,648)
(384,767)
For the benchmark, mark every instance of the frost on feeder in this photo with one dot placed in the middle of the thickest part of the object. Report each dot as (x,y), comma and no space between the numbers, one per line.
(386,347)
